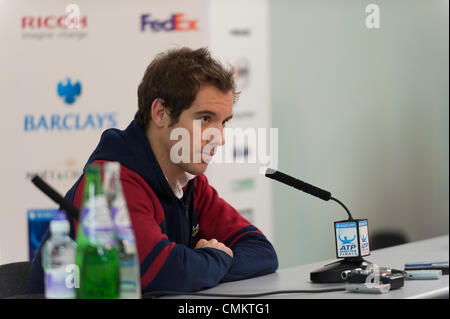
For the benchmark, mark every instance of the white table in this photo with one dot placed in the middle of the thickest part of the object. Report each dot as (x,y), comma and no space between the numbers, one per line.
(297,278)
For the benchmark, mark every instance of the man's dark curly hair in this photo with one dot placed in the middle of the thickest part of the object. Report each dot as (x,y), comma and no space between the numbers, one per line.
(176,76)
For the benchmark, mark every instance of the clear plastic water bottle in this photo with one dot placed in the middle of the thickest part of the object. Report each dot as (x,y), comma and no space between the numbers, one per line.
(58,259)
(130,282)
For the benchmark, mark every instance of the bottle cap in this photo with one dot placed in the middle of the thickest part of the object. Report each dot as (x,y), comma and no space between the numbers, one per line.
(93,168)
(112,166)
(59,223)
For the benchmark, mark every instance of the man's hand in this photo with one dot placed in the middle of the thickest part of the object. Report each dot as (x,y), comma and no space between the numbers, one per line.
(213,243)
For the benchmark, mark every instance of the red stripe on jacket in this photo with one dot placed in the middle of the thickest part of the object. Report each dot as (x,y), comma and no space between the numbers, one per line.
(217,219)
(146,216)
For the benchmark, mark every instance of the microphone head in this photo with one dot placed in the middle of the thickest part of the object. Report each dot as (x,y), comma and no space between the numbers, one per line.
(304,187)
(298,184)
(65,204)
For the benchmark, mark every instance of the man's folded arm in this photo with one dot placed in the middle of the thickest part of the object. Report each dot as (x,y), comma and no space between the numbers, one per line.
(185,269)
(253,254)
(165,265)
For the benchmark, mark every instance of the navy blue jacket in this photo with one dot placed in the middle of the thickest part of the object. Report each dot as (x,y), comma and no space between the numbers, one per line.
(167,228)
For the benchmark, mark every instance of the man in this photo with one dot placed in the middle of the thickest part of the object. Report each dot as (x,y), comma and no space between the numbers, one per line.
(188,238)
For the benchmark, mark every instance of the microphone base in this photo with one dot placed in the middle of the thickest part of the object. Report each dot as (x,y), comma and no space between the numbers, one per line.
(331,273)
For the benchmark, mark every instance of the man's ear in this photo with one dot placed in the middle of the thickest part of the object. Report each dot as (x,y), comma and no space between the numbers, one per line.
(159,114)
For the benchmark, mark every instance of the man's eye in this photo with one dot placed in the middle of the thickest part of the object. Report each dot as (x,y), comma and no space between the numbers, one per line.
(205,118)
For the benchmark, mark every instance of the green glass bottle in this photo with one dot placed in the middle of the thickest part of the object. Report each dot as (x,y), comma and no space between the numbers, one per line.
(97,252)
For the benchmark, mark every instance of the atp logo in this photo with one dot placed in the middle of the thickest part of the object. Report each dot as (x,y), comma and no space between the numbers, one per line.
(364,238)
(348,246)
(345,240)
(69,92)
(364,244)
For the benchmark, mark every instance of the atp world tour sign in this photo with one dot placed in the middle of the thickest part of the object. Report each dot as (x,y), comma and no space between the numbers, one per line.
(352,238)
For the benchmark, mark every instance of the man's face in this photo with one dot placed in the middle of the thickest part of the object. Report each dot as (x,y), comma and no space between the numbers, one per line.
(210,110)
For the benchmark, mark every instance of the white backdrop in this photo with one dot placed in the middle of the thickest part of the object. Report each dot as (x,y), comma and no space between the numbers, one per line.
(239,33)
(107,56)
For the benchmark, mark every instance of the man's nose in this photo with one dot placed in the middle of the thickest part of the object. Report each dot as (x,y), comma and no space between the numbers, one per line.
(218,137)
(222,138)
(214,136)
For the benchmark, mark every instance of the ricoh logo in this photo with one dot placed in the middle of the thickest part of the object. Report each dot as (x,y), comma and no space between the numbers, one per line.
(51,22)
(69,91)
(176,22)
(69,24)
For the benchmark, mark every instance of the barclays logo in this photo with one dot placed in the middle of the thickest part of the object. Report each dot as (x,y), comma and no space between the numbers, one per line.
(69,122)
(66,122)
(69,92)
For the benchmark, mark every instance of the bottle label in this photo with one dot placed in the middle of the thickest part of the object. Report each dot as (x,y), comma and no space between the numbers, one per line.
(122,223)
(129,278)
(97,223)
(56,285)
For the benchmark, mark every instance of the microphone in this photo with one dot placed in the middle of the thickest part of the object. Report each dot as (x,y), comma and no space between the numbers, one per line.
(70,209)
(298,184)
(304,187)
(351,236)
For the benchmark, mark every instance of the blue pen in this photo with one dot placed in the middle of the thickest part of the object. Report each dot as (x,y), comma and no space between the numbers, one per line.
(426,264)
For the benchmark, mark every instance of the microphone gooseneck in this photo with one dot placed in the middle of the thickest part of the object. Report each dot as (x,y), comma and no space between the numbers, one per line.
(304,187)
(346,209)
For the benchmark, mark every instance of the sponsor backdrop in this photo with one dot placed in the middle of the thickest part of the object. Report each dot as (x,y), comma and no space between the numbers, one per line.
(60,88)
(244,44)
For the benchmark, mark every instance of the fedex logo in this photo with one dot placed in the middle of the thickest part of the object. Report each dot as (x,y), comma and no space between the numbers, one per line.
(175,23)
